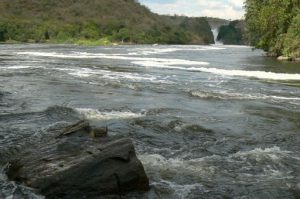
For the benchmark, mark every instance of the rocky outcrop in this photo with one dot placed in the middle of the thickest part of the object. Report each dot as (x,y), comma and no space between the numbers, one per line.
(283,58)
(78,162)
(233,33)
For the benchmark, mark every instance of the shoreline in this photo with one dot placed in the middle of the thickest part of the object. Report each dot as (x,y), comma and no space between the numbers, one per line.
(98,42)
(106,42)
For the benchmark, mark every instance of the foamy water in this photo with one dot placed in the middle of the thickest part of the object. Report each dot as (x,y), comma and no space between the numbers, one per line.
(110,115)
(116,57)
(175,64)
(237,73)
(18,67)
(153,51)
(179,191)
(268,160)
(206,121)
(253,74)
(239,96)
(87,72)
(274,153)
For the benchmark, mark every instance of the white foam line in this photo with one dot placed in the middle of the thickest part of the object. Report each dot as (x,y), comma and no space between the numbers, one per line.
(150,51)
(115,56)
(283,98)
(171,63)
(239,73)
(253,74)
(18,67)
(275,153)
(225,95)
(154,51)
(86,72)
(96,114)
(193,47)
(237,46)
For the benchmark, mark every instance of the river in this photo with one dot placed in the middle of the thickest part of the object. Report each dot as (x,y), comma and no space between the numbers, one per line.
(207,121)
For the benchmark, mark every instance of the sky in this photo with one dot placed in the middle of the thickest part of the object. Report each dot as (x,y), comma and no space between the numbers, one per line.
(225,9)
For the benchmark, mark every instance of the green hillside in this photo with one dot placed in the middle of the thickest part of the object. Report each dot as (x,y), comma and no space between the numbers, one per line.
(274,26)
(71,21)
(233,33)
(217,22)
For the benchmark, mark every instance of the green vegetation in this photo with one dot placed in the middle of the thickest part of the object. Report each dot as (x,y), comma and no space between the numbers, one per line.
(233,33)
(274,26)
(216,22)
(96,22)
(193,30)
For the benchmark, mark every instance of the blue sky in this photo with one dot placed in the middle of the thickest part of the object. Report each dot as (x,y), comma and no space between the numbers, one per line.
(227,9)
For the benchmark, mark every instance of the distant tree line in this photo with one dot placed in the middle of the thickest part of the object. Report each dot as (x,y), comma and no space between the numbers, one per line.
(72,21)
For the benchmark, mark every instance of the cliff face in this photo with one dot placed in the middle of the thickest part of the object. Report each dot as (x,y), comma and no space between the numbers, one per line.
(233,33)
(198,28)
(118,20)
(217,22)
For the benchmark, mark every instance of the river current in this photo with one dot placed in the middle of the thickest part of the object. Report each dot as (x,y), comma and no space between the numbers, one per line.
(207,121)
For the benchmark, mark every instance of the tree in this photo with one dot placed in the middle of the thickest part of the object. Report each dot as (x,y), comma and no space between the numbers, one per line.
(268,22)
(231,33)
(292,40)
(3,32)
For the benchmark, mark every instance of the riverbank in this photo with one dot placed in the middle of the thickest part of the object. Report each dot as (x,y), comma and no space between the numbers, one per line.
(85,42)
(89,42)
(281,37)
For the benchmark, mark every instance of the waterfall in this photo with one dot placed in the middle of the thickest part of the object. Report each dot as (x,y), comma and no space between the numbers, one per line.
(215,32)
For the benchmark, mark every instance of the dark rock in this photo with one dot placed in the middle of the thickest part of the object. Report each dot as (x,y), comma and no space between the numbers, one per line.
(75,166)
(79,126)
(97,132)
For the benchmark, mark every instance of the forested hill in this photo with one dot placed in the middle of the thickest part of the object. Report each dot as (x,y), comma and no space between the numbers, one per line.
(274,26)
(233,33)
(69,21)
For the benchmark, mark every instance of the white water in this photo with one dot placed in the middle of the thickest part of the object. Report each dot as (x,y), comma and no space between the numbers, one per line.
(268,160)
(103,74)
(215,32)
(223,72)
(180,191)
(18,67)
(220,129)
(111,115)
(174,64)
(151,51)
(240,96)
(116,57)
(253,74)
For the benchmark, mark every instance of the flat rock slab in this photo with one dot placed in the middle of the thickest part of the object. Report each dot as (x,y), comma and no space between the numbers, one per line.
(73,164)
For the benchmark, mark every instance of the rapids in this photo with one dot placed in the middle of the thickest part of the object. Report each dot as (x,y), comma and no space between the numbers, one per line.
(207,121)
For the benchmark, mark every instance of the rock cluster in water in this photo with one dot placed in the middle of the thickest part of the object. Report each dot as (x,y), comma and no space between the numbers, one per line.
(78,161)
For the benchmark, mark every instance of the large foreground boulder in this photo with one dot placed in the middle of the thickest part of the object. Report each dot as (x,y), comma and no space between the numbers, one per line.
(74,164)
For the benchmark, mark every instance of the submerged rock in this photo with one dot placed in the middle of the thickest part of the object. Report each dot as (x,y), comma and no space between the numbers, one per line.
(75,165)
